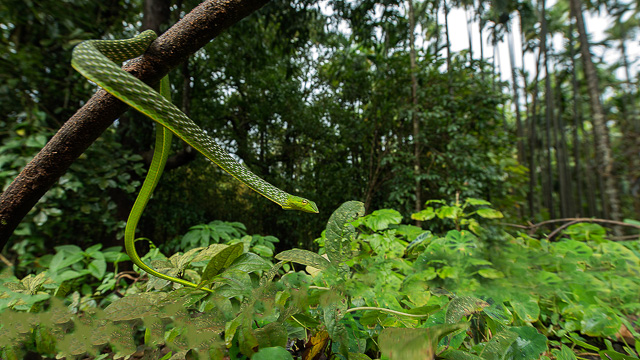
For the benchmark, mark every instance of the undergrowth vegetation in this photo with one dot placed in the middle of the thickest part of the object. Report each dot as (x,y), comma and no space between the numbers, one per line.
(377,288)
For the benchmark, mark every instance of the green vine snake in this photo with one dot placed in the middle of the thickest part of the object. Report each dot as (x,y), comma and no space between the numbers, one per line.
(98,61)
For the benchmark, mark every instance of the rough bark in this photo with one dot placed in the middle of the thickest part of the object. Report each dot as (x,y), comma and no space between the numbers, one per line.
(516,100)
(194,31)
(548,189)
(603,149)
(414,108)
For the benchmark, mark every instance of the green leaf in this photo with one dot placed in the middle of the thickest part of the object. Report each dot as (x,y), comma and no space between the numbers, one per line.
(222,260)
(414,344)
(272,353)
(564,353)
(585,232)
(490,273)
(499,313)
(497,347)
(526,307)
(573,249)
(250,262)
(463,306)
(358,356)
(529,345)
(304,257)
(449,212)
(424,215)
(381,219)
(452,354)
(600,321)
(272,334)
(488,213)
(340,232)
(98,268)
(632,222)
(477,202)
(614,355)
(134,306)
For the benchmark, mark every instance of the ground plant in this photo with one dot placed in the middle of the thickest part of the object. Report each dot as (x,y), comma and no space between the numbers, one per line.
(378,288)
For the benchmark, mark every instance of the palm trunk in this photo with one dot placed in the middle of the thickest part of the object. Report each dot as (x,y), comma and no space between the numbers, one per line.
(516,100)
(548,189)
(414,108)
(577,171)
(603,149)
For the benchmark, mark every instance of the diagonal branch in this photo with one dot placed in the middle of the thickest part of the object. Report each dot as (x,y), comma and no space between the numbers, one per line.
(191,33)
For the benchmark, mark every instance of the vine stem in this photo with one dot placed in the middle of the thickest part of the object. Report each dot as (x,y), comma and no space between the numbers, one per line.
(384,310)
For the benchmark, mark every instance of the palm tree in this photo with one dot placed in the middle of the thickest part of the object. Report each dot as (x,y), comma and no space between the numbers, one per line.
(602,144)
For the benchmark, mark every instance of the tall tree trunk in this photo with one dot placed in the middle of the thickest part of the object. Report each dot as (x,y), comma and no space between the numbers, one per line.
(414,108)
(560,141)
(603,149)
(446,32)
(548,189)
(156,14)
(577,170)
(516,99)
(469,32)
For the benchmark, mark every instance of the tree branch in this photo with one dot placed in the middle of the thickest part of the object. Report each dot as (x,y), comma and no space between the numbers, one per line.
(568,222)
(191,33)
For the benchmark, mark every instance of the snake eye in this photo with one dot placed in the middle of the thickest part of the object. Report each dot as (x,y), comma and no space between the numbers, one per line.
(305,201)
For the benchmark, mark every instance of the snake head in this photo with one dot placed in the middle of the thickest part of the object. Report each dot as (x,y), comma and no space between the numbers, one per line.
(302,204)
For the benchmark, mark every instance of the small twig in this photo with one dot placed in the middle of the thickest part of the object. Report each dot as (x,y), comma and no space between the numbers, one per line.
(6,261)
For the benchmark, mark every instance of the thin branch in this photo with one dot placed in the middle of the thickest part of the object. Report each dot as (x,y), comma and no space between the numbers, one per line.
(570,221)
(191,33)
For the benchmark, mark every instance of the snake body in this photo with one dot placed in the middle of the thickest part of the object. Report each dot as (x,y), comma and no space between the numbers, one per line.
(98,61)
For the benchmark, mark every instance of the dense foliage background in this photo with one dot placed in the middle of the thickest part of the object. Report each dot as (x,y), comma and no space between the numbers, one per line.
(339,101)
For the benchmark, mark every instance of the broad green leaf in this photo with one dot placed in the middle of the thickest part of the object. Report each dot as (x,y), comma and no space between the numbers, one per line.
(63,259)
(585,232)
(381,219)
(222,260)
(358,356)
(250,262)
(462,306)
(477,202)
(423,239)
(614,355)
(632,222)
(272,334)
(98,268)
(230,331)
(449,212)
(414,344)
(304,257)
(272,353)
(564,353)
(600,321)
(499,313)
(424,215)
(71,249)
(340,232)
(490,273)
(529,345)
(573,249)
(452,354)
(134,306)
(526,307)
(497,347)
(488,213)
